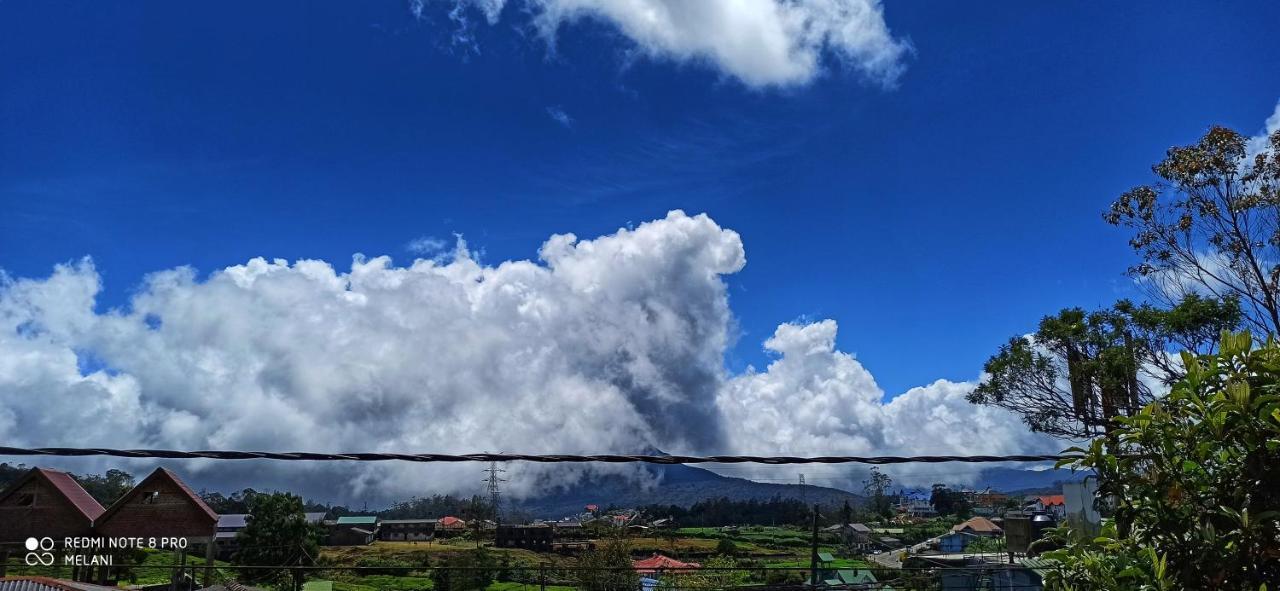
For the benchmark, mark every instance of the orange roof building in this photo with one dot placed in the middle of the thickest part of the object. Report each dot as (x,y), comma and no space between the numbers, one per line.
(658,563)
(451,522)
(1052,500)
(978,526)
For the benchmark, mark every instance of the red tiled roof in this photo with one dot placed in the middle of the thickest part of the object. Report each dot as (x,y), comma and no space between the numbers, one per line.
(76,494)
(67,486)
(659,562)
(1051,500)
(449,521)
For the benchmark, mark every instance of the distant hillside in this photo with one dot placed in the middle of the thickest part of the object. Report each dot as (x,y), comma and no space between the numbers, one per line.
(1021,480)
(673,485)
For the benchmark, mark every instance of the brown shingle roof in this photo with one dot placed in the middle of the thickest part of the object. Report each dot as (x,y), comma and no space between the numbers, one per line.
(978,525)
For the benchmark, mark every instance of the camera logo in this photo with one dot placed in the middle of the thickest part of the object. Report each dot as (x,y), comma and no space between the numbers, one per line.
(39,552)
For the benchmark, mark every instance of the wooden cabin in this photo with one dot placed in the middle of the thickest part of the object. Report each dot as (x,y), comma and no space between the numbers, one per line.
(160,506)
(46,504)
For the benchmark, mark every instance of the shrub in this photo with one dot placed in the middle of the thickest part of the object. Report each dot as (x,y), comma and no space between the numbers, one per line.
(1194,481)
(464,571)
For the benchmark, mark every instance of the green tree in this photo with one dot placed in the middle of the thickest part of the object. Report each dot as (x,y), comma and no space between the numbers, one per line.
(1193,481)
(726,547)
(607,567)
(876,487)
(949,502)
(277,534)
(464,571)
(1210,225)
(106,488)
(846,512)
(1081,369)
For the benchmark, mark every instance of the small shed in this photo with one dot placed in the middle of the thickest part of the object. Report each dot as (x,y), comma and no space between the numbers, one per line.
(954,542)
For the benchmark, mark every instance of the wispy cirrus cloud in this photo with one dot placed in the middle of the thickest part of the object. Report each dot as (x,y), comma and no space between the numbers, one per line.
(558,115)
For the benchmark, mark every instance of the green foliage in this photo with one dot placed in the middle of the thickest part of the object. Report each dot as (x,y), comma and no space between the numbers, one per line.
(1080,369)
(725,511)
(377,565)
(950,502)
(726,547)
(106,488)
(710,578)
(607,567)
(876,487)
(277,534)
(1209,225)
(1194,482)
(464,571)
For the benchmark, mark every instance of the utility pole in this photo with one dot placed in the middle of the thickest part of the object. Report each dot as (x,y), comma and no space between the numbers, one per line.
(804,497)
(813,550)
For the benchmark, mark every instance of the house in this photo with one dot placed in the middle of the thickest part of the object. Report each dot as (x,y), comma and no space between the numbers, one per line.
(353,530)
(979,526)
(569,530)
(988,503)
(1055,505)
(160,506)
(229,527)
(350,536)
(46,503)
(658,563)
(529,537)
(917,508)
(862,576)
(407,530)
(854,535)
(449,526)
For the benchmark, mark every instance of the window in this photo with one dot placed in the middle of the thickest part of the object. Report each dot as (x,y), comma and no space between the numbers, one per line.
(149,498)
(26,499)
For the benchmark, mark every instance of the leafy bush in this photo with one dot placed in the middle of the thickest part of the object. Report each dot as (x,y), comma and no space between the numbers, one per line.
(607,568)
(726,547)
(373,565)
(1194,480)
(464,571)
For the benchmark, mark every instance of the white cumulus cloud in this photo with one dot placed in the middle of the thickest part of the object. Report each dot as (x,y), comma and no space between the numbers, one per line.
(759,42)
(612,344)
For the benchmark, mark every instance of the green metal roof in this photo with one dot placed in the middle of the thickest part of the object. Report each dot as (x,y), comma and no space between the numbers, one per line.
(826,557)
(851,577)
(358,520)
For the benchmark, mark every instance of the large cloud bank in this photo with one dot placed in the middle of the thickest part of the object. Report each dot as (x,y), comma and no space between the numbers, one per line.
(614,344)
(759,42)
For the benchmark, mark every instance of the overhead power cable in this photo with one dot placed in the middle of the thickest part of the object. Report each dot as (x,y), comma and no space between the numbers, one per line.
(514,457)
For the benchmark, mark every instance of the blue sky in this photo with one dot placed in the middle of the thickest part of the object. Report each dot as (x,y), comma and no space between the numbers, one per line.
(932,218)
